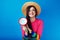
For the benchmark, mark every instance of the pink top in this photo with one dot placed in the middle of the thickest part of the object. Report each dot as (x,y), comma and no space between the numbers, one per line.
(37,27)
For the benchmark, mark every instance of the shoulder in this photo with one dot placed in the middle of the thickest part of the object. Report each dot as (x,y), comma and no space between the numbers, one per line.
(39,20)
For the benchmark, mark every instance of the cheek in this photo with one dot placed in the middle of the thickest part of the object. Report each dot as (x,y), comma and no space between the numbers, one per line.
(29,13)
(34,13)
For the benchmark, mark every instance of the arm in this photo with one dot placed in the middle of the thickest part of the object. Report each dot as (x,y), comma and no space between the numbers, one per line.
(24,31)
(39,31)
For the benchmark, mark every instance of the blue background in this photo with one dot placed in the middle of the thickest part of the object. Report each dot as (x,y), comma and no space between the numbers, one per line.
(10,12)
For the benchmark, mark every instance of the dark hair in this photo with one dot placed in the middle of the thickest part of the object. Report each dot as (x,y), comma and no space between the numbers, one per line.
(28,18)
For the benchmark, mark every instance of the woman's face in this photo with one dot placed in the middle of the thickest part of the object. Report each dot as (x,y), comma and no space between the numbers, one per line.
(32,12)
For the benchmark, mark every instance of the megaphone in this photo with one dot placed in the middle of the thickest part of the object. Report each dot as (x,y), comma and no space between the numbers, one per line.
(23,21)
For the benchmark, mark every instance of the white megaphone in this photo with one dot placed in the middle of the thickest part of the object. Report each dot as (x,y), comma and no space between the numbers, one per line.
(23,21)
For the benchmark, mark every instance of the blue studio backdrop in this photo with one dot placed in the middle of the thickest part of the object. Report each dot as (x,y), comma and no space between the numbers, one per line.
(10,12)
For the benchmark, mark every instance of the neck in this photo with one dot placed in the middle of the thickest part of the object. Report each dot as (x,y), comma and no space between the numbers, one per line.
(32,19)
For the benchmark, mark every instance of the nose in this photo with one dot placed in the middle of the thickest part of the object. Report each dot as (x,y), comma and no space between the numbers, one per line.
(31,11)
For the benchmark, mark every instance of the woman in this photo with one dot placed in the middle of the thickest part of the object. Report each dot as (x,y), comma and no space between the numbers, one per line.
(33,28)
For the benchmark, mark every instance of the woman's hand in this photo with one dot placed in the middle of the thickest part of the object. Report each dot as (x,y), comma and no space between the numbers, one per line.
(29,29)
(25,28)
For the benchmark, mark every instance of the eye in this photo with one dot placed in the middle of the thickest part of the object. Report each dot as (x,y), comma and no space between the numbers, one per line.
(33,9)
